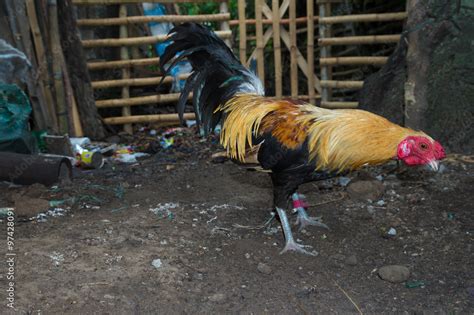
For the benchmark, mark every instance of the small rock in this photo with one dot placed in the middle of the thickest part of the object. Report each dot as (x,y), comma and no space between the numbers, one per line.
(344,181)
(394,273)
(264,268)
(156,263)
(380,203)
(351,260)
(218,297)
(366,189)
(392,232)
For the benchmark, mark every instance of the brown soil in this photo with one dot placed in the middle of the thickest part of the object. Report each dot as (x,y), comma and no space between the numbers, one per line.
(97,258)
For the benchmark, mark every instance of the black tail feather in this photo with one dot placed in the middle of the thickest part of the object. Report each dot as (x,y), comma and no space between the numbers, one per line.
(217,73)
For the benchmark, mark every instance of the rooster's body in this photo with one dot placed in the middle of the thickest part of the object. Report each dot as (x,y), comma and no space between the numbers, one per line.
(297,141)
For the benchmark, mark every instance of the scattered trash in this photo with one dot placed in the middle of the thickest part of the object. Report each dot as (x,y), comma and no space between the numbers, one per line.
(190,123)
(157,263)
(414,284)
(163,210)
(379,177)
(380,203)
(5,212)
(57,258)
(55,212)
(126,154)
(392,232)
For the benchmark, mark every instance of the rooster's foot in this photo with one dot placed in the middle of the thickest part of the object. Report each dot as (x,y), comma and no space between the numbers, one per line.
(290,242)
(303,219)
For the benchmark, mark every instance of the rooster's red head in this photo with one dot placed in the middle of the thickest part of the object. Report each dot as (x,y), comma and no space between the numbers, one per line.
(420,150)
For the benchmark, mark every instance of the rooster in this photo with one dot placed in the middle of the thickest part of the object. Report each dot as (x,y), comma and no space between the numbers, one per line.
(296,141)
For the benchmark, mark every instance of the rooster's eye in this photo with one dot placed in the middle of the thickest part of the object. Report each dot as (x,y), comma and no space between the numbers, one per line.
(423,146)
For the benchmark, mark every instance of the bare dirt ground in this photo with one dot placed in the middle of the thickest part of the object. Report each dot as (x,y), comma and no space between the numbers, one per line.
(97,258)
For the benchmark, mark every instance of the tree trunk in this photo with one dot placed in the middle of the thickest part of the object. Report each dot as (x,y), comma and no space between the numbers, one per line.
(79,75)
(428,83)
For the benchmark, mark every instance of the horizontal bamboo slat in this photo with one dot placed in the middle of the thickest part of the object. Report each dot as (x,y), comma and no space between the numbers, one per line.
(339,104)
(342,84)
(376,17)
(299,20)
(147,119)
(355,40)
(376,61)
(141,100)
(110,2)
(135,82)
(133,41)
(158,19)
(99,65)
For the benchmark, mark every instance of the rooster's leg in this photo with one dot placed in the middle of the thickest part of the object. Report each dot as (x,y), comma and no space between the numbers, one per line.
(290,241)
(303,219)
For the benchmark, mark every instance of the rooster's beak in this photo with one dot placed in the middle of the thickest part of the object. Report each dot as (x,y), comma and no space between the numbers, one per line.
(434,165)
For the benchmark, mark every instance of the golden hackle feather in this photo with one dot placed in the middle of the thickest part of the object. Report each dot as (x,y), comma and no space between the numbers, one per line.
(338,139)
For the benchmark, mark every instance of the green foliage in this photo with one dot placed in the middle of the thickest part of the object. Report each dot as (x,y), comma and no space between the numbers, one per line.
(207,8)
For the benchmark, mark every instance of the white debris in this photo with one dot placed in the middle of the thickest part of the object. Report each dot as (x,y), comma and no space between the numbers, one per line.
(381,203)
(157,263)
(392,232)
(344,181)
(57,258)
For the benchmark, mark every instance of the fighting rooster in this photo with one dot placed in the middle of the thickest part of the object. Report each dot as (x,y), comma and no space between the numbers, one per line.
(297,141)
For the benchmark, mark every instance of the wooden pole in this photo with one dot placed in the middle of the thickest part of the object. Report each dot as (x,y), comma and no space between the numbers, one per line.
(343,84)
(140,100)
(260,42)
(145,40)
(125,55)
(377,17)
(135,82)
(328,30)
(77,68)
(41,58)
(224,25)
(147,119)
(61,103)
(376,61)
(277,48)
(293,47)
(242,32)
(156,19)
(356,40)
(299,20)
(100,65)
(323,53)
(310,50)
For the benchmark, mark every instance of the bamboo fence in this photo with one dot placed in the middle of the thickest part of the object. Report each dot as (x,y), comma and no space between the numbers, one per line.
(131,61)
(326,41)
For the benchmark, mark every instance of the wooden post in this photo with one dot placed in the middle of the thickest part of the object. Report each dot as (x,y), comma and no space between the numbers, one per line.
(242,32)
(79,76)
(323,53)
(277,48)
(58,73)
(293,47)
(224,25)
(260,42)
(41,58)
(310,53)
(328,31)
(124,55)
